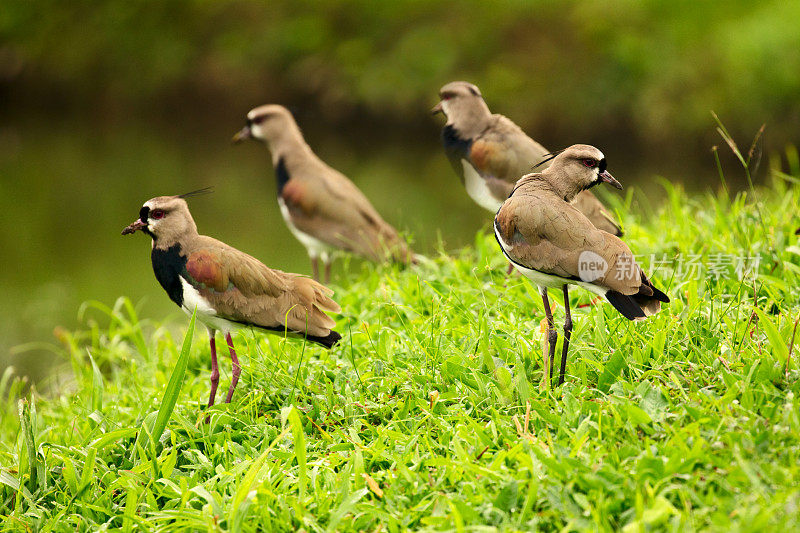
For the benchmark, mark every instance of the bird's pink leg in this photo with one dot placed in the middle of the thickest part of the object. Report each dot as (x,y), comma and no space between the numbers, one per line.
(315,268)
(214,367)
(237,369)
(328,262)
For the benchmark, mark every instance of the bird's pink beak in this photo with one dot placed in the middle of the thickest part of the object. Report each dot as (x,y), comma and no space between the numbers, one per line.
(133,227)
(608,178)
(437,109)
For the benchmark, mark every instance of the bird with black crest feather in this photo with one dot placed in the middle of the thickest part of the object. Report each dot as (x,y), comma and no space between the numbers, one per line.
(227,288)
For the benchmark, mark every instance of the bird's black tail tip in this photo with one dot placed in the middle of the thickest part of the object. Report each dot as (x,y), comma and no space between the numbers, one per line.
(660,296)
(328,341)
(626,305)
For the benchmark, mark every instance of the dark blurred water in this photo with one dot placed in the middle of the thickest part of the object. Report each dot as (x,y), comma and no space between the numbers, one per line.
(69,185)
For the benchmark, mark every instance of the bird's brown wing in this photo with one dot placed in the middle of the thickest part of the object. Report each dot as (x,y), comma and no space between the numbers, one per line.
(242,289)
(506,152)
(495,164)
(502,154)
(588,204)
(336,212)
(546,234)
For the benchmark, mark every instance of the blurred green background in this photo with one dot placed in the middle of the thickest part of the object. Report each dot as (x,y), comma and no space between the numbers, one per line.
(105,104)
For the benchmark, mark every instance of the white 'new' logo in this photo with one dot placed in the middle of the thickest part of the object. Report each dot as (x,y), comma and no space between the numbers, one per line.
(591,266)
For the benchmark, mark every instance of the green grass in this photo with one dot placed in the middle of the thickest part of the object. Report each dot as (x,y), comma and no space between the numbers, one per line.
(433,414)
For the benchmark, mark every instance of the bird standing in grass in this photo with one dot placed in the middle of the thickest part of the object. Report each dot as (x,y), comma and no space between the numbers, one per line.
(552,243)
(324,210)
(490,153)
(229,289)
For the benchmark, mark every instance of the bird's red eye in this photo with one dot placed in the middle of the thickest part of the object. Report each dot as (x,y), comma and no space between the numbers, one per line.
(157,214)
(447,96)
(591,163)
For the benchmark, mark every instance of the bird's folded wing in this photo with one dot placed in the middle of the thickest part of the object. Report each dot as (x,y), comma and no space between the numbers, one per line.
(496,165)
(220,268)
(503,154)
(588,204)
(336,212)
(546,234)
(519,152)
(492,158)
(242,289)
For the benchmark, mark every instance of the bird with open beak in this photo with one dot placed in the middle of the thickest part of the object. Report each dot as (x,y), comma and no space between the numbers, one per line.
(229,289)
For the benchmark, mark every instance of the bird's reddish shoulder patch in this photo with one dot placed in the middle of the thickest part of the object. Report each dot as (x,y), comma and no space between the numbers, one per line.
(294,195)
(481,154)
(205,267)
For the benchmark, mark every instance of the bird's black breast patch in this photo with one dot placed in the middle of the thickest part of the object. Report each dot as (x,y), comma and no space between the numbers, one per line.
(281,175)
(455,146)
(168,265)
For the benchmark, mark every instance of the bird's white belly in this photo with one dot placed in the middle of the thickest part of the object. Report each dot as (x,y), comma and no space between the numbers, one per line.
(477,188)
(206,314)
(315,247)
(540,278)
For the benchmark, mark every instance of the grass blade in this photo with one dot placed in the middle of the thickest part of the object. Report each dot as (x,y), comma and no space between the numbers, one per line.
(298,436)
(26,425)
(779,346)
(14,484)
(97,385)
(175,382)
(237,512)
(612,371)
(172,391)
(138,336)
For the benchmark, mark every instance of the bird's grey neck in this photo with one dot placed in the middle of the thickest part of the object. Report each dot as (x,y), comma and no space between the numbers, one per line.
(560,185)
(162,244)
(288,148)
(165,242)
(551,183)
(471,122)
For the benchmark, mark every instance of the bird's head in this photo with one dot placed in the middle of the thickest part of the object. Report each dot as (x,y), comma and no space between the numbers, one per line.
(165,218)
(460,100)
(266,123)
(581,166)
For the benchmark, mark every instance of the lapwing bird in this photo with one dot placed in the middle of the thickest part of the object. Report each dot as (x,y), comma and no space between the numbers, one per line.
(490,153)
(324,210)
(229,289)
(555,245)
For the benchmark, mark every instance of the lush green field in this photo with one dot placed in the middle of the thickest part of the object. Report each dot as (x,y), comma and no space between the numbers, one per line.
(433,413)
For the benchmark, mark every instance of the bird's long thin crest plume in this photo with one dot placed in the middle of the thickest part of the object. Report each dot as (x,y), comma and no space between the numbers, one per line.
(548,157)
(198,192)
